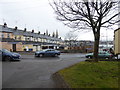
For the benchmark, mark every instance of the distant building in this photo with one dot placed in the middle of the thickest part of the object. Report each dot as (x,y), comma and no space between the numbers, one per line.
(15,39)
(117,41)
(83,46)
(105,45)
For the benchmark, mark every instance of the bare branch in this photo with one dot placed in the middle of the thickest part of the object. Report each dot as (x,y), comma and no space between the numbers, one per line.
(111,18)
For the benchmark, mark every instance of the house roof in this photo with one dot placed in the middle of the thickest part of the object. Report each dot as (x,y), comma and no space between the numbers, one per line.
(5,29)
(27,33)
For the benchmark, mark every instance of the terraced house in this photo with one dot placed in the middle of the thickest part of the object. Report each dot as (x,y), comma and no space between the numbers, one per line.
(117,41)
(15,39)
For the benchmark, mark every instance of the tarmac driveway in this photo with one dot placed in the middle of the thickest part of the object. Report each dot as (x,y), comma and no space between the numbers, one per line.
(33,72)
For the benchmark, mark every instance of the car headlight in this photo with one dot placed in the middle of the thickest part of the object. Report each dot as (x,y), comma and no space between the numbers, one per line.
(14,55)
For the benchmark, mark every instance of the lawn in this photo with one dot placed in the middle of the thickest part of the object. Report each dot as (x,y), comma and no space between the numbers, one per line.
(103,74)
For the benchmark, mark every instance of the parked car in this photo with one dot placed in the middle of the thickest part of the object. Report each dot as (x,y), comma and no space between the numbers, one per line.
(8,56)
(101,54)
(47,52)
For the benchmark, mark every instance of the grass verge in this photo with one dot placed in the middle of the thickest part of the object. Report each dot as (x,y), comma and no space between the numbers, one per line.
(104,74)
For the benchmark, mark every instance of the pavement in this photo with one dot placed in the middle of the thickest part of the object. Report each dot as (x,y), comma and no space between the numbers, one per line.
(33,72)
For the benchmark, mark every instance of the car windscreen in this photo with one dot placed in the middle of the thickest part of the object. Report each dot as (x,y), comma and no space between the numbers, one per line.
(102,52)
(5,50)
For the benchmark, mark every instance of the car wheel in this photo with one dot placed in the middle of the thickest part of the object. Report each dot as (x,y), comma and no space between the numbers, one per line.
(56,55)
(7,58)
(40,55)
(107,58)
(36,55)
(90,57)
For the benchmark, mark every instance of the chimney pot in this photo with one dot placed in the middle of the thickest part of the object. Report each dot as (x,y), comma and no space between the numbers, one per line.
(38,32)
(32,31)
(5,25)
(25,29)
(15,28)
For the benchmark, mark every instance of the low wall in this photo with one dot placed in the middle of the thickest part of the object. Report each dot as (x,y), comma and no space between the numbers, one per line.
(73,51)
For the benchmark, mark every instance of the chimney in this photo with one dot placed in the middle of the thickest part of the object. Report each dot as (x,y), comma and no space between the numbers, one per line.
(15,28)
(46,32)
(5,25)
(33,31)
(25,29)
(38,32)
(56,33)
(53,35)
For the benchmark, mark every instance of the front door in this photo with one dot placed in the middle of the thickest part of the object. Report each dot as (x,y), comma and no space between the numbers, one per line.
(14,47)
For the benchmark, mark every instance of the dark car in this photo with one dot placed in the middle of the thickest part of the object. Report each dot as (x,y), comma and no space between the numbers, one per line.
(101,54)
(8,56)
(47,52)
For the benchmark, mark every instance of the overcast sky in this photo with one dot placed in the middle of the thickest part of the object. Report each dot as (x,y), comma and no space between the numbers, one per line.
(38,15)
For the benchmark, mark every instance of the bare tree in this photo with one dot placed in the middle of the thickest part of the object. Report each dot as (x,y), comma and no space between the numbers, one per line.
(88,14)
(71,36)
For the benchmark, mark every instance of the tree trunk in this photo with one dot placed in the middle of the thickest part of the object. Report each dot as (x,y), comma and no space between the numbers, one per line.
(96,47)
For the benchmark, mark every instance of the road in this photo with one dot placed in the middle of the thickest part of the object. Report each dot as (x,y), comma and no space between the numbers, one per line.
(33,72)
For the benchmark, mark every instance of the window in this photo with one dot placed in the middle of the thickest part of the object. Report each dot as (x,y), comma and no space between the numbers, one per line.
(27,39)
(39,39)
(19,37)
(15,37)
(31,38)
(8,35)
(48,41)
(2,35)
(34,39)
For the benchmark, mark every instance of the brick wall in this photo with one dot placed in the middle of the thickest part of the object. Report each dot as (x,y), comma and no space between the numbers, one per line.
(9,46)
(19,47)
(6,45)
